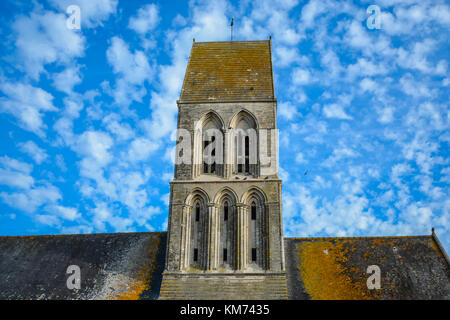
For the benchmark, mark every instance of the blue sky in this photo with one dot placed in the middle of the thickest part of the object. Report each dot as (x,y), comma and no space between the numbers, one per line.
(88,116)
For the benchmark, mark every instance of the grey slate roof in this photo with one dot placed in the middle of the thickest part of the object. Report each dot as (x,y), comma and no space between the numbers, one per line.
(113,266)
(336,268)
(130,266)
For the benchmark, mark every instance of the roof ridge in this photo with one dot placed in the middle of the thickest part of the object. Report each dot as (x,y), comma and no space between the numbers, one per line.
(81,234)
(346,238)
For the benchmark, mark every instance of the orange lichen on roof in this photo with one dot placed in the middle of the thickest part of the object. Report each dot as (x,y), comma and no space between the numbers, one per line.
(229,71)
(144,275)
(325,276)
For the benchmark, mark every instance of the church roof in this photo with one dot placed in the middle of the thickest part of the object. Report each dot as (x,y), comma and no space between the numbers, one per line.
(414,267)
(229,71)
(130,266)
(113,266)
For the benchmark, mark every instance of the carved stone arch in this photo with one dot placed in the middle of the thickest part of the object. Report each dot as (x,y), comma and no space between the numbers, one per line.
(256,201)
(246,115)
(225,191)
(210,115)
(196,192)
(251,192)
(226,200)
(194,230)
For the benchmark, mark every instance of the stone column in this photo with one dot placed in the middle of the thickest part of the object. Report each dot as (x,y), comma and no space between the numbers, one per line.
(266,237)
(197,154)
(242,236)
(212,238)
(227,154)
(185,237)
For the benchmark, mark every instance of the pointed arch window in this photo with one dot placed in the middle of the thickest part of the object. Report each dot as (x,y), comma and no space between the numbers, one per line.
(209,144)
(225,211)
(253,208)
(211,167)
(245,144)
(197,246)
(227,234)
(247,154)
(256,233)
(197,212)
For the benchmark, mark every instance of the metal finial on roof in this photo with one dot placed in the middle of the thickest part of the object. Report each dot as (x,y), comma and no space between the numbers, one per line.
(432,230)
(193,39)
(270,37)
(231,26)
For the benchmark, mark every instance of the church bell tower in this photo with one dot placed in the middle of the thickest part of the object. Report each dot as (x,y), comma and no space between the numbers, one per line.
(225,219)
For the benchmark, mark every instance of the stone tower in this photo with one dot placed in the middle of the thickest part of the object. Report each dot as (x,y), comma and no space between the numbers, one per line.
(225,233)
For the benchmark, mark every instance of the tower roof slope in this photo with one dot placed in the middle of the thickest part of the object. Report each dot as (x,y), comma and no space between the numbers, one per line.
(229,71)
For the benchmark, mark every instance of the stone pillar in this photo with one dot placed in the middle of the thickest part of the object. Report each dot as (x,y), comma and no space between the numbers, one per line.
(212,258)
(242,236)
(197,155)
(266,237)
(185,237)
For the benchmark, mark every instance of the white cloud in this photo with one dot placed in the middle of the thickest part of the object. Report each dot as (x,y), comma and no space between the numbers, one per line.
(38,154)
(414,88)
(48,220)
(335,111)
(368,85)
(121,130)
(67,79)
(146,20)
(284,175)
(365,67)
(133,67)
(102,215)
(310,11)
(287,110)
(10,163)
(26,103)
(133,70)
(357,37)
(301,76)
(80,229)
(417,17)
(43,38)
(340,152)
(140,149)
(95,145)
(65,213)
(417,57)
(286,56)
(61,163)
(386,115)
(93,12)
(300,158)
(166,198)
(32,199)
(167,176)
(15,179)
